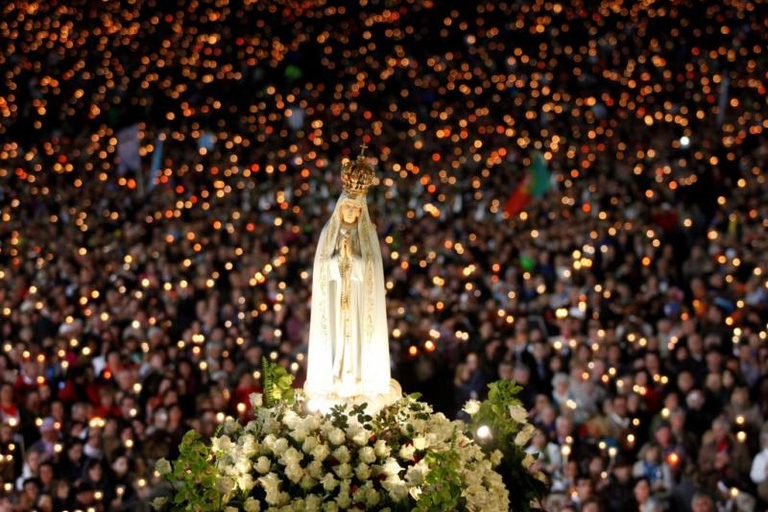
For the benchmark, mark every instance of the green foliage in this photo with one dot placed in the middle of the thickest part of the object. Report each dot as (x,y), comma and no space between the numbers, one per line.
(278,384)
(444,486)
(496,413)
(193,478)
(360,412)
(266,373)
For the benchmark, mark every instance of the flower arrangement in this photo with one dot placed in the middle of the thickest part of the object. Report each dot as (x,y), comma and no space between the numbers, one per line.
(500,423)
(406,457)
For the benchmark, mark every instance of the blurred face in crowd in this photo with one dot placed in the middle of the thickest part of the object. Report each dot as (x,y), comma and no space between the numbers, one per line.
(75,452)
(95,473)
(652,455)
(642,491)
(685,382)
(6,394)
(663,435)
(120,466)
(32,490)
(623,473)
(620,406)
(584,488)
(548,414)
(521,374)
(596,466)
(45,503)
(720,430)
(46,474)
(677,420)
(564,426)
(702,504)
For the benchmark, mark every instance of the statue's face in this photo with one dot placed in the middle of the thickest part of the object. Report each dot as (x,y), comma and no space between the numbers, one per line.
(350,211)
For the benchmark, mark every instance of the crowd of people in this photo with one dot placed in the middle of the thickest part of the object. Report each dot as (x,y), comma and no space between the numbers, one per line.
(630,299)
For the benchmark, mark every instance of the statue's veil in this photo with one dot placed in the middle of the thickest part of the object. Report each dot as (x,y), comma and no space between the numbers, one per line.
(374,352)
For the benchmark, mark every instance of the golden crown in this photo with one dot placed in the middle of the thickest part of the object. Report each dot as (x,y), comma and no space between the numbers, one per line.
(357,176)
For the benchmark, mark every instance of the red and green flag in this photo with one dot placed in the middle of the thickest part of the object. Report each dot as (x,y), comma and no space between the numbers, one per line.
(534,185)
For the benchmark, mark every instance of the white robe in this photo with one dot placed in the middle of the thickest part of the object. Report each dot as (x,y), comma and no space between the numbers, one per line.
(346,357)
(357,366)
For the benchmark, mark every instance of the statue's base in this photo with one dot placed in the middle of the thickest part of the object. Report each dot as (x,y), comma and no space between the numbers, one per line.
(323,402)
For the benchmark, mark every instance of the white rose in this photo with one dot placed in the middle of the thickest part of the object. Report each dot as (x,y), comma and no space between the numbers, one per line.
(396,488)
(331,506)
(263,465)
(381,448)
(518,413)
(256,400)
(315,469)
(363,471)
(320,452)
(343,470)
(367,454)
(361,438)
(281,445)
(231,509)
(415,475)
(471,407)
(359,495)
(391,467)
(251,505)
(250,445)
(268,423)
(420,443)
(224,484)
(307,482)
(343,501)
(372,497)
(313,503)
(528,461)
(294,472)
(271,485)
(269,441)
(329,482)
(336,436)
(283,498)
(341,454)
(221,444)
(309,444)
(407,451)
(245,482)
(291,419)
(299,433)
(242,465)
(291,456)
(525,435)
(163,466)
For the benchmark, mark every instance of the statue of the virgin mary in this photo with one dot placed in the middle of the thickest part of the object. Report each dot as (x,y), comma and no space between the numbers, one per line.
(348,359)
